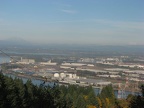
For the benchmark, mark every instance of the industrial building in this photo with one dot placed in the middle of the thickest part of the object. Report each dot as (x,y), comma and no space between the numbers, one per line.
(73,64)
(48,63)
(26,61)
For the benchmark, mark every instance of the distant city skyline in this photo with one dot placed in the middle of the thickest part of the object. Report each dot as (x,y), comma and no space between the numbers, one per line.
(107,22)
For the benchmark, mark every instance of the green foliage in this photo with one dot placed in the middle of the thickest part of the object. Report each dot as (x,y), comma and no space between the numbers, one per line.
(107,97)
(16,94)
(142,89)
(108,92)
(137,101)
(80,102)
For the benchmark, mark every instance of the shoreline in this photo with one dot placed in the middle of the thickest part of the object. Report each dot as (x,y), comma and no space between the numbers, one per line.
(60,82)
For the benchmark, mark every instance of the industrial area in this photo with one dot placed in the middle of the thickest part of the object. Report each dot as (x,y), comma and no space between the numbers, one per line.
(95,72)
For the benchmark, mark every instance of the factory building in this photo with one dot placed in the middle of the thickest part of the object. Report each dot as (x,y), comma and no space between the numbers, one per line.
(65,75)
(48,63)
(26,61)
(93,82)
(73,64)
(86,60)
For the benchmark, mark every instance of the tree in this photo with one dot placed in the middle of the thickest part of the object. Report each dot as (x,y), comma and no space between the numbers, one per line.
(80,102)
(99,102)
(107,96)
(138,101)
(92,98)
(3,92)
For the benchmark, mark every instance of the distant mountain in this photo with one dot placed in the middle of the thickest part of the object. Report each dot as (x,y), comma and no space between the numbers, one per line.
(14,42)
(101,49)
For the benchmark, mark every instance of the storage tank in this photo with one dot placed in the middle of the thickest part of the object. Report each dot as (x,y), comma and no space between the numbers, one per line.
(70,75)
(56,75)
(62,75)
(74,75)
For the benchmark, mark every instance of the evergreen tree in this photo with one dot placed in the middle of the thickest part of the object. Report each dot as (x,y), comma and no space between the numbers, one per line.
(3,92)
(138,101)
(107,94)
(80,102)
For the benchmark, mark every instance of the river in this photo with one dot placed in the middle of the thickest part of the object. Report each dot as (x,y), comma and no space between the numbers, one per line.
(96,90)
(5,59)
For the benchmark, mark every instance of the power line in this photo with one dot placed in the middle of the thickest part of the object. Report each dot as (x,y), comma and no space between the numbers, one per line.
(20,64)
(6,54)
(12,58)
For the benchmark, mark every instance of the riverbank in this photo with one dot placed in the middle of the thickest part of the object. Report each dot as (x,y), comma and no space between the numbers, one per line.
(42,81)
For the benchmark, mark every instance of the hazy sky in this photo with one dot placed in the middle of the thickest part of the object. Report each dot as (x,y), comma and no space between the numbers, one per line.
(73,21)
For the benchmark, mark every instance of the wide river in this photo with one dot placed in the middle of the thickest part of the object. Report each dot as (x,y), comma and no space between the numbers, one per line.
(96,90)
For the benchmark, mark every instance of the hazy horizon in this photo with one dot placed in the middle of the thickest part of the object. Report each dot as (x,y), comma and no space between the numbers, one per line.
(73,22)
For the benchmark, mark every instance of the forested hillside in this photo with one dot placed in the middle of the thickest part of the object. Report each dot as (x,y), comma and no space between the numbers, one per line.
(15,94)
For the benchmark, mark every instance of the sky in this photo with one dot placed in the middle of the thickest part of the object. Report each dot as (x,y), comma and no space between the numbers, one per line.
(102,22)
